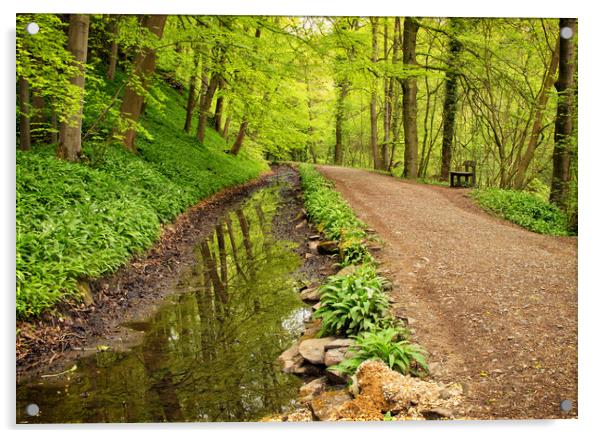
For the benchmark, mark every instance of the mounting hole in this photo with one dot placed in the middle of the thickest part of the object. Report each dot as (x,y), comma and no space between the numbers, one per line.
(566,405)
(566,33)
(32,410)
(32,28)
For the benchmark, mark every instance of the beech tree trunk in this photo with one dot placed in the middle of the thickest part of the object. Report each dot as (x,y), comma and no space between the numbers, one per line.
(343,87)
(410,29)
(70,134)
(524,162)
(24,117)
(239,138)
(450,103)
(192,93)
(219,107)
(113,55)
(205,105)
(563,128)
(227,126)
(388,96)
(132,103)
(395,105)
(373,113)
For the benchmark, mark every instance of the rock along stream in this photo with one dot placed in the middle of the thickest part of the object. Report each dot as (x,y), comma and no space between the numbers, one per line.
(209,352)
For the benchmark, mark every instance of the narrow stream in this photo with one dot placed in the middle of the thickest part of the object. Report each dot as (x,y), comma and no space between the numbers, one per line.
(209,353)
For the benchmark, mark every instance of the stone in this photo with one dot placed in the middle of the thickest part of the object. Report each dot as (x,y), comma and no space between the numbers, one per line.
(312,294)
(335,356)
(316,306)
(313,351)
(336,377)
(307,369)
(338,343)
(310,390)
(303,414)
(328,247)
(291,359)
(312,328)
(437,413)
(326,405)
(347,270)
(313,246)
(86,293)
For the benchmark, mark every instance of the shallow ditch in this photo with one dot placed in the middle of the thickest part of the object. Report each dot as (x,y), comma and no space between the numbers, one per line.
(209,352)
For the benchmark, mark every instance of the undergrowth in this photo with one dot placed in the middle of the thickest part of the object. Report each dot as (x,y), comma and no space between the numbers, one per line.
(82,220)
(525,209)
(333,216)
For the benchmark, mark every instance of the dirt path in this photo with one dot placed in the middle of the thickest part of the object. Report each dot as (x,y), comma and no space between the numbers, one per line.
(494,304)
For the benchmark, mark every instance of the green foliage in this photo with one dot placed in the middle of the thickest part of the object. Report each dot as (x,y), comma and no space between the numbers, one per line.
(333,216)
(524,209)
(353,303)
(389,346)
(83,220)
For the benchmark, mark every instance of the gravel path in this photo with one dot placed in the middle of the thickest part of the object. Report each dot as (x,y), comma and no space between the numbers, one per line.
(495,305)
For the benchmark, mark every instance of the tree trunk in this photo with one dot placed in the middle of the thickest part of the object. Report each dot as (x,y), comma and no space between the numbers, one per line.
(227,126)
(192,93)
(343,87)
(132,103)
(205,105)
(373,113)
(113,55)
(388,97)
(239,138)
(70,134)
(219,107)
(542,100)
(450,103)
(410,29)
(563,128)
(24,116)
(395,106)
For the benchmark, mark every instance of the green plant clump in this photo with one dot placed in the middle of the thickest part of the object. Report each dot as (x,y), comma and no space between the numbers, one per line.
(353,303)
(333,216)
(524,209)
(388,345)
(82,220)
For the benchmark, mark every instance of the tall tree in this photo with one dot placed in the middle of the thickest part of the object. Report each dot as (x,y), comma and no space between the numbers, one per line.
(410,88)
(192,92)
(373,97)
(450,103)
(144,67)
(114,51)
(24,115)
(522,163)
(70,134)
(563,128)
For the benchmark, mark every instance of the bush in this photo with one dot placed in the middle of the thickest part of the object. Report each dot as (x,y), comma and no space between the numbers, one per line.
(524,209)
(389,346)
(353,303)
(333,216)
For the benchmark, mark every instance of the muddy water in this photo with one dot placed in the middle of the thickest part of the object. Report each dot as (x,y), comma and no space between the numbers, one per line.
(208,354)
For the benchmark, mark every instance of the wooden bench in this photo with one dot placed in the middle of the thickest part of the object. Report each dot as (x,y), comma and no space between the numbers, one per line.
(469,176)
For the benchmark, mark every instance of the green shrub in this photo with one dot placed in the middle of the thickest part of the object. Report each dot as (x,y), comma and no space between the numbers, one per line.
(333,216)
(524,209)
(389,346)
(353,303)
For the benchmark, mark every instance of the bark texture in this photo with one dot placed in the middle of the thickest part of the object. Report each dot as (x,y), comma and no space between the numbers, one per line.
(563,128)
(70,134)
(410,29)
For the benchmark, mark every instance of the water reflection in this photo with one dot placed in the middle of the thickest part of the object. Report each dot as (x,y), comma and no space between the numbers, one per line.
(207,355)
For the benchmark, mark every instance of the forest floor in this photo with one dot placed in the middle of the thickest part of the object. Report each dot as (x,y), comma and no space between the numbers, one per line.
(495,305)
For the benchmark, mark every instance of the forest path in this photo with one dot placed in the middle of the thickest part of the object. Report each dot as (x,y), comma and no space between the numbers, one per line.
(495,305)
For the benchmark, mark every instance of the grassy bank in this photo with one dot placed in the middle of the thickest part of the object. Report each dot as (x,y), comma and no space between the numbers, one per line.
(84,220)
(524,209)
